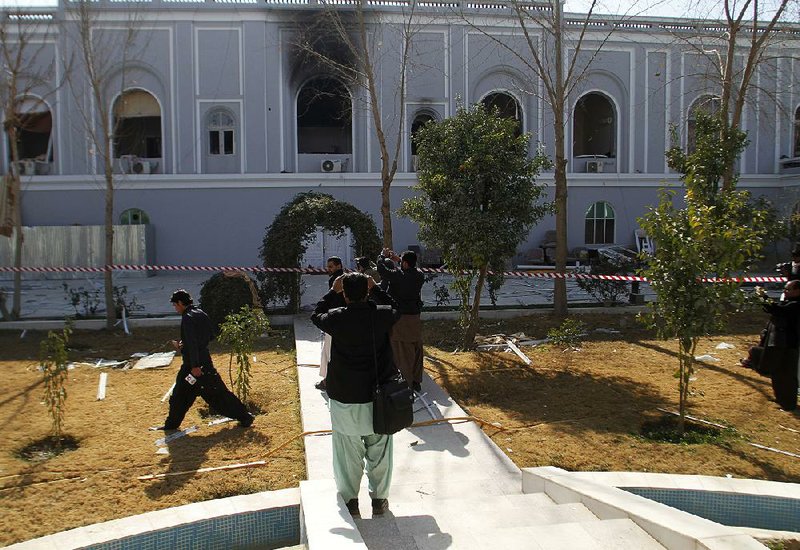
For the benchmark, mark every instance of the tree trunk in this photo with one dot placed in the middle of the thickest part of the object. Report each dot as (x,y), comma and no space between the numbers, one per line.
(111,311)
(386,211)
(16,213)
(560,176)
(474,314)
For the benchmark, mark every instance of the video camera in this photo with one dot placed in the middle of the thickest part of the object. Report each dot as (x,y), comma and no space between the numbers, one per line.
(783,267)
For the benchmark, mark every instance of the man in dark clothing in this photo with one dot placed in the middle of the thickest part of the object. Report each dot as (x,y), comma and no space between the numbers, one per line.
(197,375)
(360,355)
(405,287)
(780,355)
(335,270)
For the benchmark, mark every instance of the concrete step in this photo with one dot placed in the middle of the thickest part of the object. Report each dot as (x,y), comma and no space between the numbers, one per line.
(431,518)
(594,535)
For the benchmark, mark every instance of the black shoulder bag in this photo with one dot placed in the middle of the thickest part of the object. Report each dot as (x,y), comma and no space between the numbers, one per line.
(392,401)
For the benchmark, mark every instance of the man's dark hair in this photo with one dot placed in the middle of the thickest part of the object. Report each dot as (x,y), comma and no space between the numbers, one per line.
(363,262)
(409,257)
(335,260)
(181,296)
(355,286)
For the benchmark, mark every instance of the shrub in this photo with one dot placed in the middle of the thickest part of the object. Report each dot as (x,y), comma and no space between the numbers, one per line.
(239,331)
(226,293)
(570,334)
(53,356)
(605,291)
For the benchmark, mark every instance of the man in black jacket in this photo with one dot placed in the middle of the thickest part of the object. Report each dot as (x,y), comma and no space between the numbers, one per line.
(781,343)
(405,288)
(197,375)
(360,356)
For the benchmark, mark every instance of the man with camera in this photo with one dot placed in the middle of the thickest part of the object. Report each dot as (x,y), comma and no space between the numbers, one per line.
(791,270)
(779,354)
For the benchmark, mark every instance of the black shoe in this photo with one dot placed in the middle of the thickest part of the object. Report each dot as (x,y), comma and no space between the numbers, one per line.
(352,507)
(247,422)
(379,506)
(321,386)
(416,386)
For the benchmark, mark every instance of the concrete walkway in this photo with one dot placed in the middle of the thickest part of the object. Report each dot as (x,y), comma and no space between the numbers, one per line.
(452,486)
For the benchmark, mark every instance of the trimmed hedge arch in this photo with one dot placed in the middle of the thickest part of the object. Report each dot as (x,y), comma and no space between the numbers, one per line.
(287,239)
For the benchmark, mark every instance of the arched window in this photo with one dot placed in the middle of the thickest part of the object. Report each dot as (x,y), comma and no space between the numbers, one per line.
(221,125)
(506,106)
(34,134)
(134,216)
(600,223)
(324,118)
(707,104)
(796,149)
(594,127)
(137,125)
(420,120)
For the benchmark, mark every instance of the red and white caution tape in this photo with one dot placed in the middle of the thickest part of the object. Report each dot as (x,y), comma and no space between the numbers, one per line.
(317,271)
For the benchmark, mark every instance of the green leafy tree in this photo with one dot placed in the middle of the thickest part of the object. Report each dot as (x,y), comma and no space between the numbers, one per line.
(53,357)
(240,331)
(716,233)
(478,198)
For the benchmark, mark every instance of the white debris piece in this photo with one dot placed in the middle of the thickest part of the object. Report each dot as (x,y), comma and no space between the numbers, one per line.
(222,420)
(155,360)
(169,393)
(101,386)
(105,363)
(139,354)
(706,357)
(515,349)
(725,345)
(176,435)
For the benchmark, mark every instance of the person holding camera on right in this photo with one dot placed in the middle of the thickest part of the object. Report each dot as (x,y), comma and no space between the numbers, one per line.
(791,270)
(779,354)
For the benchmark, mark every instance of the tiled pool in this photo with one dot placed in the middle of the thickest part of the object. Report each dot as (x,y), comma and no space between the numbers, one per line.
(262,529)
(734,509)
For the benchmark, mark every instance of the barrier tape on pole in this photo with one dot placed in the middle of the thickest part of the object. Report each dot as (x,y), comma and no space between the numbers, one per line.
(317,271)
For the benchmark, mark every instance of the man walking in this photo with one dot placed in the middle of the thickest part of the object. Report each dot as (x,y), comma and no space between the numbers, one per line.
(360,350)
(405,287)
(197,375)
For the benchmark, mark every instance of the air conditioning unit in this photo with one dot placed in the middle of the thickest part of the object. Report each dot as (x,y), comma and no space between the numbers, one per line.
(140,167)
(26,167)
(594,166)
(329,165)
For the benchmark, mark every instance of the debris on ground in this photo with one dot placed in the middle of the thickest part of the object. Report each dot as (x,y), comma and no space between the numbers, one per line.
(501,342)
(706,357)
(155,360)
(725,345)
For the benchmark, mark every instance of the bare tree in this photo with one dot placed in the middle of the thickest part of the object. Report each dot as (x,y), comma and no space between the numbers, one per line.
(559,61)
(103,57)
(347,43)
(23,35)
(734,47)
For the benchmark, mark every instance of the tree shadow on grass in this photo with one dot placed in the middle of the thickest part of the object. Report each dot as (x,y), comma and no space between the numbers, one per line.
(743,375)
(189,453)
(530,395)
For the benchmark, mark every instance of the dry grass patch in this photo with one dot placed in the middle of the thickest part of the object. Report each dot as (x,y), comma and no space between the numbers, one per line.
(98,480)
(583,410)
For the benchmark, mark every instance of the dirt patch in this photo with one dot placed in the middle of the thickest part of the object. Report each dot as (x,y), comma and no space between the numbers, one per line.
(579,410)
(98,480)
(584,410)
